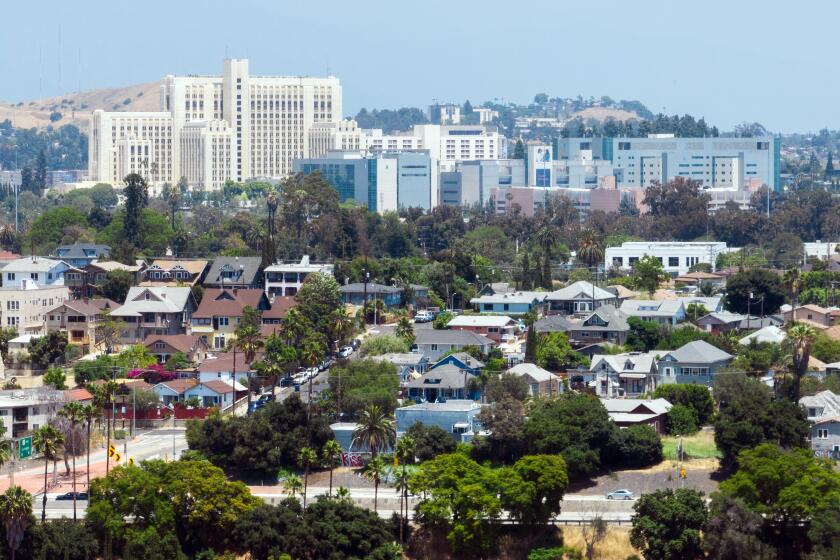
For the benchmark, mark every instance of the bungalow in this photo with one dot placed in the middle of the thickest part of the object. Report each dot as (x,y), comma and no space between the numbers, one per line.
(497,328)
(442,383)
(79,319)
(638,412)
(455,417)
(628,374)
(163,346)
(511,303)
(824,404)
(461,360)
(226,367)
(814,314)
(433,343)
(220,311)
(712,304)
(541,383)
(214,393)
(663,312)
(174,272)
(82,254)
(696,362)
(579,297)
(170,392)
(605,324)
(86,281)
(720,322)
(771,334)
(234,272)
(407,364)
(355,294)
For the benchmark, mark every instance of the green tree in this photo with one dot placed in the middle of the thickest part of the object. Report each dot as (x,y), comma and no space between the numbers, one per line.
(800,337)
(405,331)
(429,441)
(679,208)
(374,471)
(638,447)
(48,229)
(74,412)
(763,284)
(696,397)
(519,149)
(667,524)
(47,350)
(47,440)
(331,456)
(386,344)
(374,429)
(733,531)
(136,198)
(555,353)
(317,299)
(648,274)
(360,383)
(644,336)
(681,420)
(306,459)
(55,378)
(534,491)
(116,285)
(16,514)
(65,538)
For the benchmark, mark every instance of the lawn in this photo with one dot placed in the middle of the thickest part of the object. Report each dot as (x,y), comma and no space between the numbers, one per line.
(698,446)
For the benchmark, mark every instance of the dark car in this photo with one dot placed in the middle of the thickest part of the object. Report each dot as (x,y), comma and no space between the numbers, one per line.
(286,382)
(69,496)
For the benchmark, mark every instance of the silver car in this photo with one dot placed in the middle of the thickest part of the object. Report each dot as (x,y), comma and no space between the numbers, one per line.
(620,495)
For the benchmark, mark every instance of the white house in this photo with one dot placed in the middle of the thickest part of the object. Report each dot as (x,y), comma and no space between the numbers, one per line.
(43,272)
(664,312)
(285,279)
(214,393)
(629,374)
(541,382)
(676,256)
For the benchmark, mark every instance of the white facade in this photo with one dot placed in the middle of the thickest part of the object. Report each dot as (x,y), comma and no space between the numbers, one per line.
(29,272)
(23,412)
(285,279)
(821,249)
(676,256)
(269,118)
(25,307)
(207,154)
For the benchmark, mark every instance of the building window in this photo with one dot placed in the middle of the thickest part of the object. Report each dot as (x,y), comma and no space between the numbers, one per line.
(223,321)
(12,305)
(822,433)
(673,261)
(10,276)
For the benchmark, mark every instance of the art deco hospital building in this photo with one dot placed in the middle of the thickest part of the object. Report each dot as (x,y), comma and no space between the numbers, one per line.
(214,128)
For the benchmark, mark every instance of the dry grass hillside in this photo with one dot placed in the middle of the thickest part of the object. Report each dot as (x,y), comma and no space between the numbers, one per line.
(75,108)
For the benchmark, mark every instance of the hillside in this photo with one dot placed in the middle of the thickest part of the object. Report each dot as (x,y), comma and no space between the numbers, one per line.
(603,113)
(75,108)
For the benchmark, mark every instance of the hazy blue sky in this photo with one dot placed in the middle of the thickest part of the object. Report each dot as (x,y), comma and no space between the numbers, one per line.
(729,61)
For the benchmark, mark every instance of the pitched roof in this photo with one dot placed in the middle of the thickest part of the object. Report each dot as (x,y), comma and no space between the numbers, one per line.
(447,336)
(372,288)
(553,323)
(280,306)
(78,394)
(162,299)
(632,406)
(615,319)
(535,372)
(467,359)
(629,362)
(480,321)
(699,352)
(827,400)
(651,307)
(450,405)
(224,362)
(218,386)
(89,307)
(31,264)
(580,290)
(444,377)
(510,297)
(623,292)
(245,270)
(193,266)
(771,333)
(82,251)
(227,302)
(108,266)
(180,342)
(401,358)
(178,386)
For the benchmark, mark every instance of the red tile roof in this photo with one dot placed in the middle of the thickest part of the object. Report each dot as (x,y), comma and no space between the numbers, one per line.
(279,307)
(79,394)
(225,363)
(213,303)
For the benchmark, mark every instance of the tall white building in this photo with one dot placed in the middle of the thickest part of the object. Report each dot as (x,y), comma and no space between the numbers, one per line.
(212,128)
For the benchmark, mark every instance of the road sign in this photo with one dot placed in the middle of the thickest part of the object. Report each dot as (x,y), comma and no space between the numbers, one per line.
(131,461)
(112,450)
(117,457)
(25,447)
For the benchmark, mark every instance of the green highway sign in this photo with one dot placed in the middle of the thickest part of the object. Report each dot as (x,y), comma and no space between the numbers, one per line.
(25,447)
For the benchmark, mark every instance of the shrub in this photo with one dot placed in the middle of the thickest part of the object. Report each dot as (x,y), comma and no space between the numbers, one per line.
(682,420)
(638,447)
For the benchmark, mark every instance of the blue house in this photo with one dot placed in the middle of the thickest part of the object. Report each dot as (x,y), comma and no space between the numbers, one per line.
(511,303)
(456,417)
(696,363)
(441,384)
(406,363)
(354,294)
(461,360)
(79,255)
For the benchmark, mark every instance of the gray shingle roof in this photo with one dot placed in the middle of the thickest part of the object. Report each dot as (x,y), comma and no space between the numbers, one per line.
(699,352)
(651,308)
(443,377)
(438,336)
(250,267)
(82,251)
(580,290)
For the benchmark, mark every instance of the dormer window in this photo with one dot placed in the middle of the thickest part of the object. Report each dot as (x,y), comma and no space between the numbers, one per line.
(147,296)
(629,365)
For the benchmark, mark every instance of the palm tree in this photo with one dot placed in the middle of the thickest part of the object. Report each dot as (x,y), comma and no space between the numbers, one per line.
(374,471)
(16,514)
(311,354)
(374,429)
(7,236)
(590,249)
(342,325)
(800,337)
(90,413)
(74,412)
(793,282)
(405,331)
(331,454)
(271,369)
(547,238)
(249,340)
(47,440)
(293,484)
(405,450)
(306,458)
(294,327)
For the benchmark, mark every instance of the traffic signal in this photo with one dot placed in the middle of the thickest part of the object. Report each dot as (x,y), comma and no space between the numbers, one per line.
(112,450)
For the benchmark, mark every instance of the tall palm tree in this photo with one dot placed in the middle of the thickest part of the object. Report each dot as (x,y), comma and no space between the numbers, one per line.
(7,236)
(293,484)
(174,200)
(47,440)
(16,514)
(306,458)
(405,451)
(342,326)
(374,429)
(590,249)
(74,412)
(294,327)
(374,471)
(311,355)
(547,238)
(271,369)
(801,337)
(89,413)
(331,454)
(405,331)
(793,282)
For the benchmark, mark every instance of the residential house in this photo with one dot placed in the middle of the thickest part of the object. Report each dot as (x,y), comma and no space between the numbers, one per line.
(408,364)
(461,360)
(825,437)
(696,362)
(628,374)
(579,297)
(720,322)
(280,306)
(152,310)
(541,383)
(456,417)
(712,304)
(699,277)
(820,317)
(442,383)
(771,334)
(228,366)
(234,272)
(164,346)
(498,328)
(220,312)
(511,303)
(434,343)
(79,319)
(26,305)
(285,279)
(215,393)
(38,270)
(622,292)
(605,324)
(663,312)
(355,294)
(22,412)
(170,392)
(79,255)
(638,412)
(824,404)
(86,281)
(174,272)
(496,288)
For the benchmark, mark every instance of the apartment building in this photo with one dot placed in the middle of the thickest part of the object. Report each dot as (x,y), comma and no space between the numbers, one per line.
(285,279)
(25,305)
(677,257)
(213,128)
(155,311)
(34,270)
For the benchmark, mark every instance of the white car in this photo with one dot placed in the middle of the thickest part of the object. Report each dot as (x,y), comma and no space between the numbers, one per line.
(423,317)
(345,352)
(620,495)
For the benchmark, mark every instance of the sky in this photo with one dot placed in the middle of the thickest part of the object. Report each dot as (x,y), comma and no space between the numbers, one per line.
(728,61)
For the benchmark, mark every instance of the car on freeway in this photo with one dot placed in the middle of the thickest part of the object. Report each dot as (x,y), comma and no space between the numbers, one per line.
(69,496)
(620,495)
